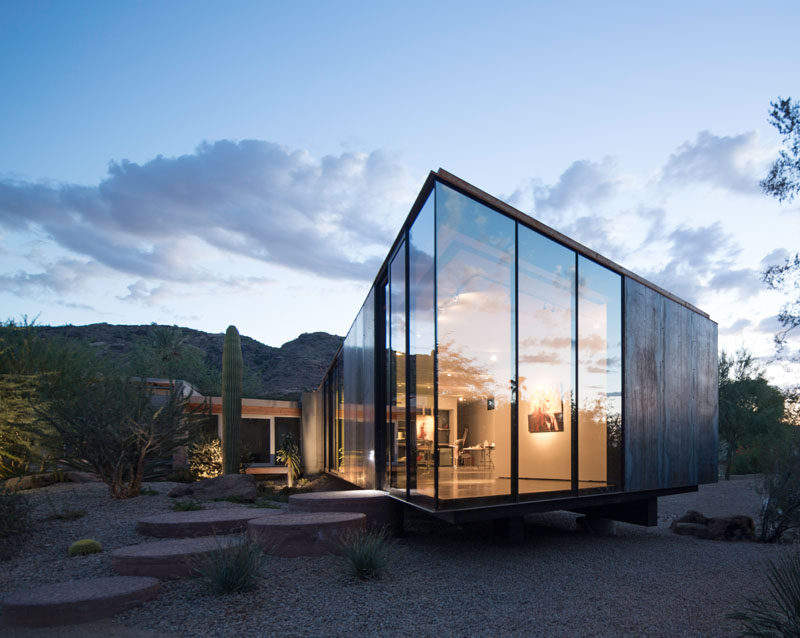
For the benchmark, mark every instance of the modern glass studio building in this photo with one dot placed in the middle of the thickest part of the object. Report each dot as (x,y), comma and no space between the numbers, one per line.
(498,367)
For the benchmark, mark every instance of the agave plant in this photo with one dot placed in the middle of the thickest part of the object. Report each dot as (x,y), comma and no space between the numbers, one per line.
(779,614)
(289,455)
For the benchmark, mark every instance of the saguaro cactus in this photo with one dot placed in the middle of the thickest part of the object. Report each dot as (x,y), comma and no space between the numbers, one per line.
(231,400)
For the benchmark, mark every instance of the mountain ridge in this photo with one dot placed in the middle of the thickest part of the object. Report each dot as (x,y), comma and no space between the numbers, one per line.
(278,372)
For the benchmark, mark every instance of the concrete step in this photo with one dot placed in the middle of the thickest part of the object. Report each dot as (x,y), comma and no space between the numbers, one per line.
(167,559)
(198,523)
(380,509)
(77,601)
(305,533)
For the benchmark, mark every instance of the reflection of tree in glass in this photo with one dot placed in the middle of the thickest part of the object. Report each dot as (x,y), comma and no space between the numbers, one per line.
(461,375)
(602,413)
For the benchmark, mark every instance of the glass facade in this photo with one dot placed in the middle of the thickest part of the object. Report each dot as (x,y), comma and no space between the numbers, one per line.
(498,355)
(547,350)
(475,322)
(397,438)
(599,377)
(422,346)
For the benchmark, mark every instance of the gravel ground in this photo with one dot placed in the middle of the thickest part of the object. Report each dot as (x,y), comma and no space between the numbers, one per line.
(445,580)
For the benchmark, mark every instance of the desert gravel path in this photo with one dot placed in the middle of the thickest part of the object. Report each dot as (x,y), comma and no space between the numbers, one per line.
(445,580)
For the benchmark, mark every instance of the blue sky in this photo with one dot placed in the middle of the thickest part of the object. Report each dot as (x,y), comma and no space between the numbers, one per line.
(154,156)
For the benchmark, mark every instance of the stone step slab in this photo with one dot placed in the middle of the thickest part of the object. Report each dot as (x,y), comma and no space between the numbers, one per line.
(198,523)
(77,601)
(304,533)
(381,510)
(167,559)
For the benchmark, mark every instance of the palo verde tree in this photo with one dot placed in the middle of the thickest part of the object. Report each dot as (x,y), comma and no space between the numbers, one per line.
(26,443)
(232,365)
(110,423)
(750,410)
(783,183)
(166,353)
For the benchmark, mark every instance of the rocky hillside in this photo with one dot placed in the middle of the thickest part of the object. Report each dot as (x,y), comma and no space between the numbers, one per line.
(284,372)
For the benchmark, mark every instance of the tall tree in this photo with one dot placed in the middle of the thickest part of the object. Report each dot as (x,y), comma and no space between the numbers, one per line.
(783,183)
(749,408)
(783,180)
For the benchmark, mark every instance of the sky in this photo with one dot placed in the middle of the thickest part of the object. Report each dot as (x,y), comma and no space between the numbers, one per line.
(250,163)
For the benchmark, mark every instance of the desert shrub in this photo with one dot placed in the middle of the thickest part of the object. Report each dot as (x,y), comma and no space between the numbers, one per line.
(367,553)
(231,569)
(15,520)
(187,506)
(180,475)
(84,547)
(205,458)
(779,615)
(780,489)
(747,461)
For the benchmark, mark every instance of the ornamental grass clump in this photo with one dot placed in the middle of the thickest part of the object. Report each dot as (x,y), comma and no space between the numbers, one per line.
(366,552)
(231,569)
(779,614)
(187,506)
(85,547)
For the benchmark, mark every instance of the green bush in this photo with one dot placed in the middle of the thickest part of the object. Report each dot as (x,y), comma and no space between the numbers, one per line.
(780,616)
(15,521)
(180,475)
(780,489)
(186,506)
(747,462)
(367,553)
(84,547)
(205,459)
(148,491)
(231,569)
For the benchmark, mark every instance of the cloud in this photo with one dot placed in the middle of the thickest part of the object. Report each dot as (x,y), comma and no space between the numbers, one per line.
(61,277)
(769,325)
(332,217)
(583,183)
(746,282)
(736,163)
(736,327)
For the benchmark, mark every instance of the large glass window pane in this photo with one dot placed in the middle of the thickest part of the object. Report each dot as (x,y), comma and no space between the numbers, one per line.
(397,456)
(359,397)
(599,377)
(422,345)
(475,293)
(546,301)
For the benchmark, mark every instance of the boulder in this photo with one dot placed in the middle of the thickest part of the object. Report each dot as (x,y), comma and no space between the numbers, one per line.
(241,486)
(729,528)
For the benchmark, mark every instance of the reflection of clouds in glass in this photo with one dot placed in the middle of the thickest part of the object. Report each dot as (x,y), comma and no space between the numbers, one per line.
(592,344)
(546,342)
(543,357)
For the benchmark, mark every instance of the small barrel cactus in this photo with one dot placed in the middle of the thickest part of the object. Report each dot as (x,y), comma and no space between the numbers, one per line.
(84,547)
